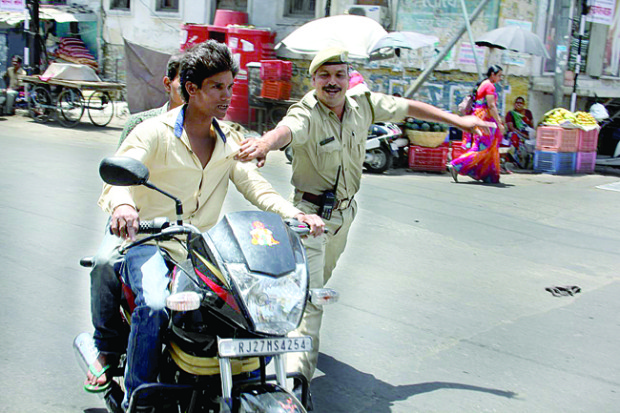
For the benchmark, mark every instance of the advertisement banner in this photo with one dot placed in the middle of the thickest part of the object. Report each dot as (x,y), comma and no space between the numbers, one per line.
(12,5)
(601,11)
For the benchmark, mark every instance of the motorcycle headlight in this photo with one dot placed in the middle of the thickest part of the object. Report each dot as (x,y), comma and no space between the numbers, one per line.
(275,304)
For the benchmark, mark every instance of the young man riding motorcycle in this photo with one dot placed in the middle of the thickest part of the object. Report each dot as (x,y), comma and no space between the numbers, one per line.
(105,286)
(191,155)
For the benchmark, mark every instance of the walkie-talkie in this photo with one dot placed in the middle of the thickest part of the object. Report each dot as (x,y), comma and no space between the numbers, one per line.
(329,199)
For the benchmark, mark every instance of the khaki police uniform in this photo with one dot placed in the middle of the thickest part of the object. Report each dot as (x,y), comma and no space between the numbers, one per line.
(321,144)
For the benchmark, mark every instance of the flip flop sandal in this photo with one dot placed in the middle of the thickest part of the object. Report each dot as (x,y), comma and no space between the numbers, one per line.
(97,387)
(559,291)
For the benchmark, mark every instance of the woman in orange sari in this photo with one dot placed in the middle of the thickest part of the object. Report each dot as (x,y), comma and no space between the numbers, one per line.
(481,161)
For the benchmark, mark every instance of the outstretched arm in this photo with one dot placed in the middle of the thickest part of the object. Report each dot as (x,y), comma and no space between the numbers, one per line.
(471,124)
(253,148)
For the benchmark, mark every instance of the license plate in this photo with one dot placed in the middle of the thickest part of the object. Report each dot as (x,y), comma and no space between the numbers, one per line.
(233,347)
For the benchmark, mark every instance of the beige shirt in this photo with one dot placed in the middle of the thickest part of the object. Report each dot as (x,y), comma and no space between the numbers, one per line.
(15,77)
(321,142)
(162,145)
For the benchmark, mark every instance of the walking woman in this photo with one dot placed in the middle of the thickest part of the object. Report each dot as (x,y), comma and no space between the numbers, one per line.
(481,161)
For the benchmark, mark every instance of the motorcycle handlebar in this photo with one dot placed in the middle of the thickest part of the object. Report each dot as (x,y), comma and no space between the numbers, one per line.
(152,226)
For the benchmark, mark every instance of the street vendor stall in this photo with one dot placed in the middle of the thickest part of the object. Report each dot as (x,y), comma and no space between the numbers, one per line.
(65,92)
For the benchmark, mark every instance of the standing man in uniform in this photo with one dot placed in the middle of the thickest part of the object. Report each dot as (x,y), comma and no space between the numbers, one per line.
(327,131)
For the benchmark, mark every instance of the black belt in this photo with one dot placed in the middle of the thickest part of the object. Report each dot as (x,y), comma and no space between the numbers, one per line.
(318,201)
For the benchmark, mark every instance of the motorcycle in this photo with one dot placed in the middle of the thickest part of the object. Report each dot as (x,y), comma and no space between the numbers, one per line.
(384,145)
(241,290)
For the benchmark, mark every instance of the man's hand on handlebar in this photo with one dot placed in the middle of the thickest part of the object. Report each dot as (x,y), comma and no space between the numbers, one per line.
(125,222)
(316,224)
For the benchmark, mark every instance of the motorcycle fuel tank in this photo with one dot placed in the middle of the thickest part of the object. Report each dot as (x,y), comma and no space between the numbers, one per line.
(258,239)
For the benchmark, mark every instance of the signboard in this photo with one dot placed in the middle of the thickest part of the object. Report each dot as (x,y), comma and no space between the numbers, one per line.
(601,11)
(466,54)
(12,5)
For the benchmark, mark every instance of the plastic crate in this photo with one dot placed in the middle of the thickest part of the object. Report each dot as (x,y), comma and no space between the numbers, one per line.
(585,162)
(457,149)
(422,158)
(276,70)
(276,89)
(588,141)
(555,139)
(557,163)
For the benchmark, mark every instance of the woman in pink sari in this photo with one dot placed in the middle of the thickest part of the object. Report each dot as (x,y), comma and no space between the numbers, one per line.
(481,161)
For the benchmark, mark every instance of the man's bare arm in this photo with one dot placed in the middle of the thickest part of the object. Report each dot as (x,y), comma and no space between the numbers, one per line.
(471,124)
(253,148)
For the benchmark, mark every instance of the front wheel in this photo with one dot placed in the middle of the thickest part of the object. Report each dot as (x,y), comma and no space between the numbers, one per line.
(71,107)
(100,108)
(40,105)
(266,399)
(379,160)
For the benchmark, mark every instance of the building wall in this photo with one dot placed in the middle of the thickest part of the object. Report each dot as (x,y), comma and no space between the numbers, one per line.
(143,25)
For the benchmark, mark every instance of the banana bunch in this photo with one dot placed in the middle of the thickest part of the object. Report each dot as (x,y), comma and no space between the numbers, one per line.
(558,116)
(585,119)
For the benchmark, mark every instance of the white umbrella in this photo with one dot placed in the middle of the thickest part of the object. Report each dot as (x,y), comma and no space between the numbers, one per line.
(354,33)
(514,38)
(385,46)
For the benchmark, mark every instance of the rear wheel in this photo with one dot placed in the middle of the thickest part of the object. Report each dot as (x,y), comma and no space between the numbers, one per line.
(381,160)
(40,104)
(71,107)
(100,108)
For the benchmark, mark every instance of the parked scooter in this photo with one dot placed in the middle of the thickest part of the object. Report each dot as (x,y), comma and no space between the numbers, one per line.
(242,289)
(384,144)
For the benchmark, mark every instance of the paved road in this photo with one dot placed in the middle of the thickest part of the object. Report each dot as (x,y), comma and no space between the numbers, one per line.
(443,306)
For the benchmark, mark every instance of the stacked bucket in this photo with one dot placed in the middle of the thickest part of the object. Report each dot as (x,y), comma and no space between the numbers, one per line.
(563,151)
(246,43)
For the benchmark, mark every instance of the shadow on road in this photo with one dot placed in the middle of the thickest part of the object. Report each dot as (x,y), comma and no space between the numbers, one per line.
(345,389)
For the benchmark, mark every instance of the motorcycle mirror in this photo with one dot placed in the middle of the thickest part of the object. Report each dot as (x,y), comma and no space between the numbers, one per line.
(123,171)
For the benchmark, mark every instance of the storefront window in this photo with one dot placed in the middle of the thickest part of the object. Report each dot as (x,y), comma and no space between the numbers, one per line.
(167,5)
(120,4)
(295,8)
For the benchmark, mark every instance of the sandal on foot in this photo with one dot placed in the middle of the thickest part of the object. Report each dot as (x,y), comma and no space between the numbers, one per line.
(454,173)
(97,387)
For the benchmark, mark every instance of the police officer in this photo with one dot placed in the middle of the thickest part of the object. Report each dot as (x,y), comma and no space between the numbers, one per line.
(327,130)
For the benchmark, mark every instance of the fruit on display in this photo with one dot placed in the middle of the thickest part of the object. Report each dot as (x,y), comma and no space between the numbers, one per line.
(424,126)
(558,116)
(563,117)
(585,119)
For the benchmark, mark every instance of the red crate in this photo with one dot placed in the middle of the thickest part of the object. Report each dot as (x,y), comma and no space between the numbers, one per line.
(276,89)
(457,149)
(422,158)
(588,141)
(276,70)
(585,163)
(555,139)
